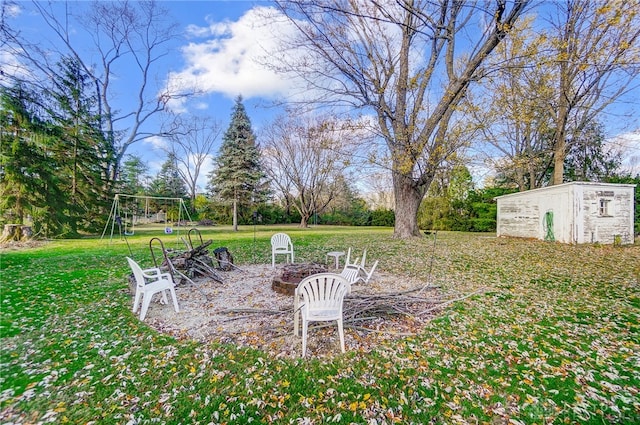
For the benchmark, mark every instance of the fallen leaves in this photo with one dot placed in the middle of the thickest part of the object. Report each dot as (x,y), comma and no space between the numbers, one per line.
(550,335)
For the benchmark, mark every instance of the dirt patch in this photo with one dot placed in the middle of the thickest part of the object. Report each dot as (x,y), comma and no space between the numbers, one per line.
(20,245)
(246,311)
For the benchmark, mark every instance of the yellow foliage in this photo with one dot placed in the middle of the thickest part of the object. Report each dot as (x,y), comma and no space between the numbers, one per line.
(614,20)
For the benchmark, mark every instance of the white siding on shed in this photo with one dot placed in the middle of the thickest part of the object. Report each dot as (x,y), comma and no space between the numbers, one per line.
(582,212)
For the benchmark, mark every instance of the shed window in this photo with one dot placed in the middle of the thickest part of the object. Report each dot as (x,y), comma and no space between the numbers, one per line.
(604,208)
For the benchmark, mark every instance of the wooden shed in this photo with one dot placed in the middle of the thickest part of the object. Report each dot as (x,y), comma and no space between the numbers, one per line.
(577,212)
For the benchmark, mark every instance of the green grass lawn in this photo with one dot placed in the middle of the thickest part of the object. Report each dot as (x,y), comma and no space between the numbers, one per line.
(553,337)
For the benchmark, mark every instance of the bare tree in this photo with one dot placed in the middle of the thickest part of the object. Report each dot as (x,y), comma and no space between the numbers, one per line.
(410,62)
(121,32)
(379,190)
(191,142)
(514,118)
(304,158)
(595,51)
(6,8)
(556,84)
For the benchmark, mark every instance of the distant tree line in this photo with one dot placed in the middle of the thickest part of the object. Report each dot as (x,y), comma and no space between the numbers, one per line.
(527,100)
(52,175)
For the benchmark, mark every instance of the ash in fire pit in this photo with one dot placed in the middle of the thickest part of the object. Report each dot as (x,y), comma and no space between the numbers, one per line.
(292,274)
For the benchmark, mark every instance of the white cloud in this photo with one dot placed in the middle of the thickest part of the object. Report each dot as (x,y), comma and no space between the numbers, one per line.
(10,66)
(12,10)
(157,143)
(195,31)
(628,144)
(227,60)
(201,106)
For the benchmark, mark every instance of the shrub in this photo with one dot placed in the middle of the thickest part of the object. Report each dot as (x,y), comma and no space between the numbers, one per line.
(483,225)
(383,217)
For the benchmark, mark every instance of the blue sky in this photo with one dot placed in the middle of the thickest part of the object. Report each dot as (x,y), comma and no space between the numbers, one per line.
(217,53)
(222,40)
(225,37)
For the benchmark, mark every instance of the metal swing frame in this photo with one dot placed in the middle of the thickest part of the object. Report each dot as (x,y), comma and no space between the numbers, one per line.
(183,213)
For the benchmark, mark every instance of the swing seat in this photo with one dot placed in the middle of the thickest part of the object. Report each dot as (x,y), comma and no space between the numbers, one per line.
(129,233)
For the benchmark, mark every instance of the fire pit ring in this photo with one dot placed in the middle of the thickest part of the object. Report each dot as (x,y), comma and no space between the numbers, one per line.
(292,274)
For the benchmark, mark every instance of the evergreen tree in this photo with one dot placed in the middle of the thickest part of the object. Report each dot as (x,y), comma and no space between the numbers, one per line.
(54,155)
(238,177)
(168,182)
(132,175)
(78,146)
(588,159)
(29,183)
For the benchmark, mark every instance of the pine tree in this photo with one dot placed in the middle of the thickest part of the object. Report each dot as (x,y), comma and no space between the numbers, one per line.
(587,157)
(29,184)
(238,177)
(168,182)
(78,146)
(132,175)
(53,154)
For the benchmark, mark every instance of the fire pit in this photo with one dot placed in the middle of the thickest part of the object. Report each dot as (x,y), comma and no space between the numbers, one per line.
(292,274)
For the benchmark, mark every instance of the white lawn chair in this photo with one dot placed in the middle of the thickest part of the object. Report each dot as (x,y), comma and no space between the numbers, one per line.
(367,274)
(150,282)
(358,274)
(319,298)
(351,274)
(281,244)
(359,265)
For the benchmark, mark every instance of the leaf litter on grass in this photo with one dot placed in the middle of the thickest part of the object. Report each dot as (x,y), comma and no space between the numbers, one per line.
(552,338)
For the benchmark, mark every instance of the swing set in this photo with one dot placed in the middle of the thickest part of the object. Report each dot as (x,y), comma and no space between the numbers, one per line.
(126,212)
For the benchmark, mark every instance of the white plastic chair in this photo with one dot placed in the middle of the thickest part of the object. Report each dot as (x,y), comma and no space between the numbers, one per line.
(319,298)
(359,263)
(352,275)
(150,282)
(281,244)
(367,274)
(361,273)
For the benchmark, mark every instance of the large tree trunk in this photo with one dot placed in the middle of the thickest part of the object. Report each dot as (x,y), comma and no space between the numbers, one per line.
(304,221)
(560,144)
(558,161)
(15,233)
(407,201)
(382,72)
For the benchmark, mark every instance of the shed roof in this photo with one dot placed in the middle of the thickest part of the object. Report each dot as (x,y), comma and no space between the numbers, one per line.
(557,186)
